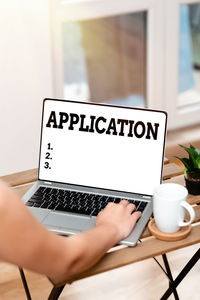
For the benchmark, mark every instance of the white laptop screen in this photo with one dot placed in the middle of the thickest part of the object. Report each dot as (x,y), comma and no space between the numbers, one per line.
(102,146)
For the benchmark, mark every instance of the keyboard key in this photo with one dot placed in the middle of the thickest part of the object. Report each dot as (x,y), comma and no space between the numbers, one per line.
(38,193)
(61,192)
(137,203)
(45,204)
(66,198)
(48,190)
(51,205)
(53,197)
(41,189)
(37,199)
(117,200)
(103,205)
(29,203)
(142,206)
(54,192)
(95,212)
(59,207)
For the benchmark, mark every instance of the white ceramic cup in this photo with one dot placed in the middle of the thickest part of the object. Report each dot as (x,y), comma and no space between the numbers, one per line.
(169,204)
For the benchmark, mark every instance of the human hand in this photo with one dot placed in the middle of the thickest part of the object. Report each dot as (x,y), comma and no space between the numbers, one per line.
(121,216)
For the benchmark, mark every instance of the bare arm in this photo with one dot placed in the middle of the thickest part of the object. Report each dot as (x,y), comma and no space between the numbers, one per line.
(25,242)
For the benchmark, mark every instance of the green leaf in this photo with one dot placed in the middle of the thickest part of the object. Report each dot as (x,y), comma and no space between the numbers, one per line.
(187,163)
(185,173)
(196,150)
(192,155)
(185,148)
(191,151)
(198,161)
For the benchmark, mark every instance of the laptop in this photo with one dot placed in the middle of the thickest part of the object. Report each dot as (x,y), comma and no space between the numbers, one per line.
(92,154)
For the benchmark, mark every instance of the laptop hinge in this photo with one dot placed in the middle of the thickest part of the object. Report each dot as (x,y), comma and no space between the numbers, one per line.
(49,183)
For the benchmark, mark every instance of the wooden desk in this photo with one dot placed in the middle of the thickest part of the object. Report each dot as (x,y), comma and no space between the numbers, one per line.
(122,255)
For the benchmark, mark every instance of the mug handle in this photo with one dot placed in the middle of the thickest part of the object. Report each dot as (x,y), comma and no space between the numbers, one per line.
(191,212)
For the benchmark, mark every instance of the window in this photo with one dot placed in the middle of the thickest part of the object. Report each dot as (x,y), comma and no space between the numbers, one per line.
(135,53)
(105,59)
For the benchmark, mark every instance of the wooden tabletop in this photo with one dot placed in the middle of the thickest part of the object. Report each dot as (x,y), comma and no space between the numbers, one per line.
(123,255)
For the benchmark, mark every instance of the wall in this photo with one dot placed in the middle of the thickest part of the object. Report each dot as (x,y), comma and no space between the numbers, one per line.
(25,79)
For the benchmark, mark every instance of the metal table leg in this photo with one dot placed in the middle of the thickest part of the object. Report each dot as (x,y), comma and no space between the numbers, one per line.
(168,274)
(55,292)
(182,274)
(171,282)
(28,295)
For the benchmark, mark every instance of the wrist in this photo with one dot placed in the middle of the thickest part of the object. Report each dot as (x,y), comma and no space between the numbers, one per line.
(111,231)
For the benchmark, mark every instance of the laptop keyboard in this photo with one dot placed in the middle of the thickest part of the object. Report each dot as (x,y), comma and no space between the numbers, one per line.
(75,202)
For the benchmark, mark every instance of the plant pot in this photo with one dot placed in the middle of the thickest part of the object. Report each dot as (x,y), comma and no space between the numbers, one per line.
(193,186)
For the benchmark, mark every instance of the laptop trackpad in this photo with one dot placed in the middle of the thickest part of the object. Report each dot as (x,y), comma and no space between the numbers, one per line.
(66,221)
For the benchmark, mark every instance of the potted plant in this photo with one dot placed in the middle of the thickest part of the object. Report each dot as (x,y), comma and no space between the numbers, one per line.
(192,169)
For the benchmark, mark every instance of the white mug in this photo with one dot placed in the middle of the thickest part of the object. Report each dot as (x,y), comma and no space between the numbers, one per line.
(169,204)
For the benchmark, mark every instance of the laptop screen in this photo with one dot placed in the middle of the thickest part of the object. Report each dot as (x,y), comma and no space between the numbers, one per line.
(102,146)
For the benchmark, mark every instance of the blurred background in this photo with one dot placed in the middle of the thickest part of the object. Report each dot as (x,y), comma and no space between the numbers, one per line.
(137,53)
